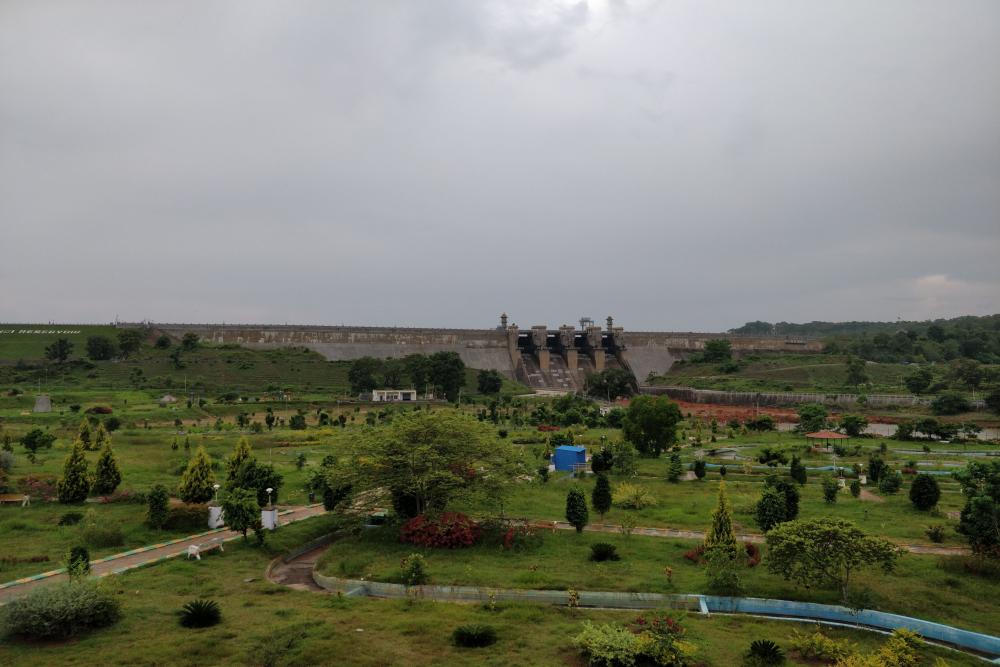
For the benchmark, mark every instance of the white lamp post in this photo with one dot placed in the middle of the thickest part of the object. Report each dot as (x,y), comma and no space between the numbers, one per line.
(269,514)
(215,518)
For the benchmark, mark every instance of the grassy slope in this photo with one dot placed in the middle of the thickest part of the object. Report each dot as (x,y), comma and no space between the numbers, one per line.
(31,346)
(921,586)
(263,623)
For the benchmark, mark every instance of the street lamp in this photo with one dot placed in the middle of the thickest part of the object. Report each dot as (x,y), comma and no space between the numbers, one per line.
(216,487)
(269,490)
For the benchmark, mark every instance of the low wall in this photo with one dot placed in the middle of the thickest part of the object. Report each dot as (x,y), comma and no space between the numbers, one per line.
(774,399)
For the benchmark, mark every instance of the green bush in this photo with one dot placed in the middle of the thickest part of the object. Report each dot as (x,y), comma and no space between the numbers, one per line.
(70,518)
(763,652)
(633,496)
(817,647)
(891,482)
(602,551)
(103,535)
(935,533)
(59,611)
(414,570)
(190,516)
(78,562)
(474,636)
(158,507)
(924,492)
(200,614)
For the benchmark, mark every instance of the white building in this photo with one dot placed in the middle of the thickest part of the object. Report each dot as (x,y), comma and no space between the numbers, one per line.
(391,395)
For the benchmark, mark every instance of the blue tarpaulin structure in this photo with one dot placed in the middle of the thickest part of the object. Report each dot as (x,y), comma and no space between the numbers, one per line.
(567,457)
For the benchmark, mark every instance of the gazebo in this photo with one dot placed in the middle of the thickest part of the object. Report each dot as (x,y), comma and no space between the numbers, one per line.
(826,437)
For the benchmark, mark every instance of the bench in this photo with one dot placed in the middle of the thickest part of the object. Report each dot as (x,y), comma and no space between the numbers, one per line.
(21,498)
(197,550)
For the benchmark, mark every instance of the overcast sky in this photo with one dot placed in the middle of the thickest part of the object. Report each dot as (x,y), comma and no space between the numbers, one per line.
(679,165)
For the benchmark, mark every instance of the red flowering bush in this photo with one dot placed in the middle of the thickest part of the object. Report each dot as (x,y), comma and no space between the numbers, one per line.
(100,410)
(450,530)
(38,486)
(547,428)
(697,555)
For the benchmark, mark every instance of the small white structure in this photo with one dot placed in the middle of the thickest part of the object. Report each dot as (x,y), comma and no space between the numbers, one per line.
(269,517)
(391,395)
(43,404)
(215,517)
(166,400)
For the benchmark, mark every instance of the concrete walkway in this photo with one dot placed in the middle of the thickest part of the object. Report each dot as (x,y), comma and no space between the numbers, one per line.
(145,555)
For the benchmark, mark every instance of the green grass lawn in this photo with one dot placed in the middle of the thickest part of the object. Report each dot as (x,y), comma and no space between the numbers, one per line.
(923,586)
(267,624)
(20,341)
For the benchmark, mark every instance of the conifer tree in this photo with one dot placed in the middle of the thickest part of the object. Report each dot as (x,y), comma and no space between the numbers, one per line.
(187,444)
(797,471)
(196,484)
(721,533)
(75,482)
(675,469)
(576,509)
(84,433)
(101,437)
(107,475)
(601,497)
(241,454)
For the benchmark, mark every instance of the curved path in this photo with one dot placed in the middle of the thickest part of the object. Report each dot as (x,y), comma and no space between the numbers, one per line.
(298,570)
(134,558)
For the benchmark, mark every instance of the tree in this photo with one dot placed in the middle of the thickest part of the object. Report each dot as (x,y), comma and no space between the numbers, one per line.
(258,477)
(980,518)
(361,375)
(993,398)
(856,371)
(797,471)
(675,468)
(99,439)
(789,491)
(812,417)
(924,492)
(424,460)
(189,341)
(601,497)
(270,419)
(107,475)
(830,489)
(650,423)
(966,372)
(84,434)
(890,483)
(100,348)
(59,350)
(699,469)
(297,422)
(609,384)
(826,552)
(489,382)
(197,483)
(417,367)
(770,509)
(74,485)
(129,341)
(163,342)
(853,425)
(720,534)
(157,506)
(242,452)
(576,509)
(447,373)
(877,468)
(36,439)
(717,350)
(240,508)
(919,379)
(950,403)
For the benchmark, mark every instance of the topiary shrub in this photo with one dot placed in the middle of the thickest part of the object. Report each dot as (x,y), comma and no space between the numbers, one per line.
(414,570)
(78,562)
(157,506)
(70,518)
(59,611)
(603,551)
(474,636)
(924,492)
(890,483)
(200,614)
(763,652)
(450,530)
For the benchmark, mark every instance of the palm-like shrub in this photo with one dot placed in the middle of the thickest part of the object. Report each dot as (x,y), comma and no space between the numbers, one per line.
(763,652)
(474,636)
(602,551)
(200,614)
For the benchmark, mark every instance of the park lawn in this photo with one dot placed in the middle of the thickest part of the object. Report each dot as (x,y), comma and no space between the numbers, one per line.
(926,587)
(689,505)
(264,623)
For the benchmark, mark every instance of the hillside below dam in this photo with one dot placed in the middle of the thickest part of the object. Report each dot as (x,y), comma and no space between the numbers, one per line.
(539,357)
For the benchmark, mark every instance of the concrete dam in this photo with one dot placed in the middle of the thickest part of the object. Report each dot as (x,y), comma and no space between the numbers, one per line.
(540,357)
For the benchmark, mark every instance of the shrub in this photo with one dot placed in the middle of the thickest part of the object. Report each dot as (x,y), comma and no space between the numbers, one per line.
(855,487)
(543,473)
(38,486)
(830,489)
(70,518)
(924,492)
(59,611)
(697,555)
(935,533)
(157,507)
(103,535)
(100,410)
(474,636)
(450,530)
(189,516)
(75,482)
(576,509)
(414,570)
(633,496)
(820,648)
(890,483)
(6,461)
(78,562)
(200,614)
(763,652)
(602,551)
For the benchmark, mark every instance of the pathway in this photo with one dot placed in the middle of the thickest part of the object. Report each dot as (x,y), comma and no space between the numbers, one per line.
(143,556)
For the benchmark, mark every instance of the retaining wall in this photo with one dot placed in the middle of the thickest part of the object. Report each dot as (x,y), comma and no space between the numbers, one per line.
(774,399)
